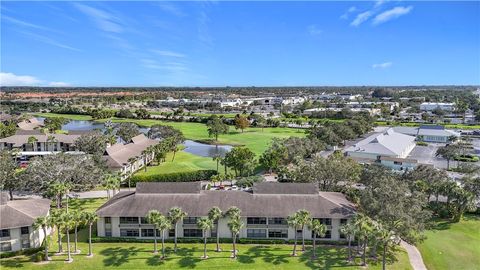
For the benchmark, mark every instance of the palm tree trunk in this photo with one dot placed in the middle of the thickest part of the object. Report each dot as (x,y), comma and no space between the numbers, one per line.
(175,240)
(173,158)
(364,255)
(303,238)
(204,244)
(314,255)
(163,244)
(384,256)
(155,240)
(46,242)
(294,253)
(59,236)
(234,246)
(90,239)
(349,249)
(448,164)
(76,238)
(218,239)
(69,255)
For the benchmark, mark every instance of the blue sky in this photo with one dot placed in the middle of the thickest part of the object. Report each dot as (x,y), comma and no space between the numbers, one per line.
(239,43)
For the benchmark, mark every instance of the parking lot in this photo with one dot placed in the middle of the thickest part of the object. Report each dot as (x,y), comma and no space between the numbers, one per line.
(426,155)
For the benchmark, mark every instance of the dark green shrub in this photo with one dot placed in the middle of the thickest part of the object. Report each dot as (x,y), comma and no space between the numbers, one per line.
(194,176)
(39,256)
(27,252)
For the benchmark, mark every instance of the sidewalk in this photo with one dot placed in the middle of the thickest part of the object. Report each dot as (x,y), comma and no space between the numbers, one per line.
(414,256)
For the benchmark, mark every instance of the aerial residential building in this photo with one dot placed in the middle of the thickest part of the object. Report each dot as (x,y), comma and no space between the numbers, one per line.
(264,209)
(430,106)
(16,220)
(38,144)
(128,158)
(429,133)
(29,124)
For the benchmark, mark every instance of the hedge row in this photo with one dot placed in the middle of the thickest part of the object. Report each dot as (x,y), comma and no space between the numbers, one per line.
(193,176)
(210,240)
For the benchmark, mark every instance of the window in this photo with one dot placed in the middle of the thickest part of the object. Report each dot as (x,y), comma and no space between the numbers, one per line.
(256,220)
(256,233)
(277,221)
(128,232)
(149,233)
(24,230)
(326,221)
(277,233)
(171,233)
(190,220)
(143,220)
(192,233)
(5,246)
(328,235)
(5,233)
(128,220)
(108,232)
(397,163)
(108,220)
(26,243)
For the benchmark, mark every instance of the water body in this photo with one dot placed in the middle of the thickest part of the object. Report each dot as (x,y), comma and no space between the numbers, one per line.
(206,150)
(196,148)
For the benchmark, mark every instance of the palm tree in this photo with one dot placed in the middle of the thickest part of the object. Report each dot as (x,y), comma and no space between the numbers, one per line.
(294,222)
(176,214)
(349,230)
(163,225)
(32,140)
(387,237)
(153,217)
(304,217)
(363,224)
(217,157)
(67,223)
(215,214)
(318,229)
(235,224)
(50,140)
(89,218)
(205,224)
(76,219)
(44,223)
(57,220)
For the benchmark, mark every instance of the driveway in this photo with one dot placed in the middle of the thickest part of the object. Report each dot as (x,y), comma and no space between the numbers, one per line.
(426,155)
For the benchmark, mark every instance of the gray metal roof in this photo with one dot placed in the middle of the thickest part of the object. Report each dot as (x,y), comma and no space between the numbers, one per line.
(322,204)
(19,140)
(119,154)
(20,213)
(285,188)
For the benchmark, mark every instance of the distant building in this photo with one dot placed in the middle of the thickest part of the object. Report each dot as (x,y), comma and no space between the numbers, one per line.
(16,220)
(29,124)
(264,210)
(430,106)
(388,143)
(43,143)
(429,133)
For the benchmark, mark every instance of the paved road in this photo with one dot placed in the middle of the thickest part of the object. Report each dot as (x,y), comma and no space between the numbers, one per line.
(95,193)
(414,256)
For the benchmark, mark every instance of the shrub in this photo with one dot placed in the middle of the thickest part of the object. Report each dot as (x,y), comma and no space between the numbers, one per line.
(39,256)
(193,176)
(422,143)
(467,158)
(29,251)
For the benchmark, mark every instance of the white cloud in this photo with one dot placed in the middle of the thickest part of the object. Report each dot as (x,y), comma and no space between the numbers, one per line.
(170,8)
(50,41)
(314,30)
(59,84)
(391,14)
(10,79)
(382,65)
(347,13)
(169,53)
(379,3)
(104,21)
(362,17)
(26,24)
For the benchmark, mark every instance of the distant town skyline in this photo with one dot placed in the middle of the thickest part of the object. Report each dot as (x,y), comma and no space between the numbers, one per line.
(240,43)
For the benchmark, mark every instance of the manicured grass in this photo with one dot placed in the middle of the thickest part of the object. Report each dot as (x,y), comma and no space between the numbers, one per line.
(253,138)
(453,245)
(68,116)
(86,205)
(184,162)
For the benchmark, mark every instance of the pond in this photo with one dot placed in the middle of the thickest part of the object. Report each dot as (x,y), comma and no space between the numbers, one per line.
(192,147)
(206,150)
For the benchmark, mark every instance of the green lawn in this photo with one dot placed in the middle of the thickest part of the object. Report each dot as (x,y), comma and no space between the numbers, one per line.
(68,116)
(184,162)
(453,245)
(254,138)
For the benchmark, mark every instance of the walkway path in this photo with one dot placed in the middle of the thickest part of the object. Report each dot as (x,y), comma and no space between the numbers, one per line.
(414,256)
(95,193)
